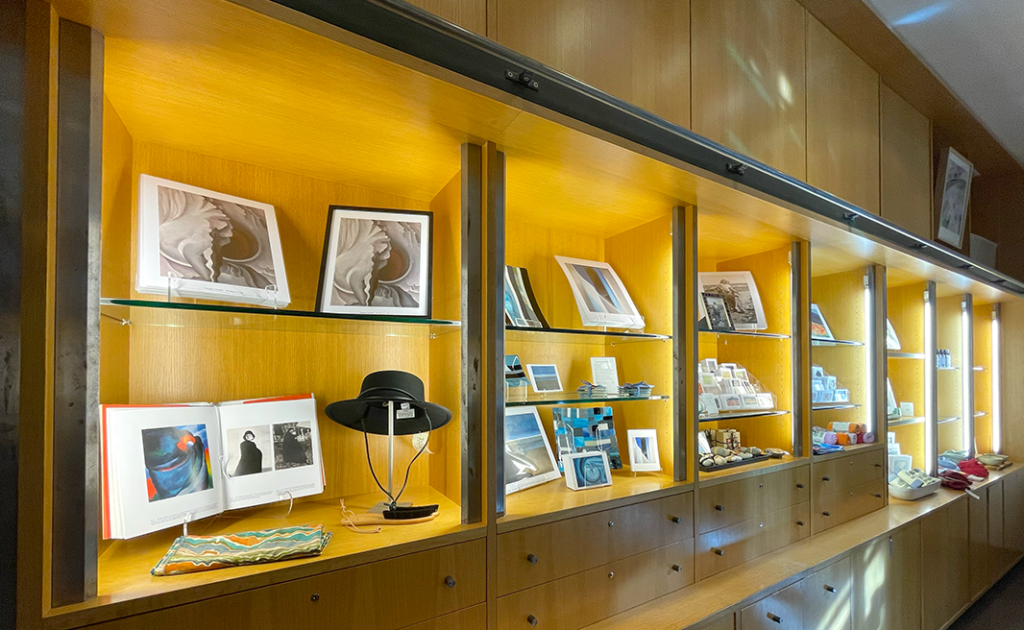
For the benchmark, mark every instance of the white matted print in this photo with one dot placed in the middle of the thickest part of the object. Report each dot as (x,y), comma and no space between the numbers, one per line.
(544,378)
(739,291)
(529,460)
(204,244)
(643,450)
(600,295)
(585,470)
(376,262)
(953,191)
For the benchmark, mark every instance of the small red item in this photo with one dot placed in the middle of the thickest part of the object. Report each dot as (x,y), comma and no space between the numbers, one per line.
(973,467)
(954,480)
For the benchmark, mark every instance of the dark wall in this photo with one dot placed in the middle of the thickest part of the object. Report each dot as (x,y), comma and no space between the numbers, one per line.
(12,48)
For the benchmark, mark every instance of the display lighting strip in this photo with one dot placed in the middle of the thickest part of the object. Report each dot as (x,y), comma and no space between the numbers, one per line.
(869,347)
(967,374)
(929,383)
(997,401)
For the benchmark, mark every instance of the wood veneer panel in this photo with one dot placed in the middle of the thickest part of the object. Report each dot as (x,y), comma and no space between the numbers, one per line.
(906,166)
(949,329)
(748,79)
(906,313)
(842,120)
(469,14)
(637,50)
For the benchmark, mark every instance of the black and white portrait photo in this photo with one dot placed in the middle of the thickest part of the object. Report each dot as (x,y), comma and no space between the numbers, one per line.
(249,451)
(293,445)
(376,262)
(739,292)
(718,312)
(200,243)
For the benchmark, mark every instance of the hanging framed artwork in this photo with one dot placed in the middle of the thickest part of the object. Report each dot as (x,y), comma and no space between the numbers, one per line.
(600,295)
(376,262)
(204,244)
(953,194)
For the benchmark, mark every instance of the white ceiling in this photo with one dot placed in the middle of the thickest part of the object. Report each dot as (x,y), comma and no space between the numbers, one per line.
(977,48)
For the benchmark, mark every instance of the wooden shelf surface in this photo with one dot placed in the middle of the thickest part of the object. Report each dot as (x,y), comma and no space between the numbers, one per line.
(713,478)
(551,501)
(850,450)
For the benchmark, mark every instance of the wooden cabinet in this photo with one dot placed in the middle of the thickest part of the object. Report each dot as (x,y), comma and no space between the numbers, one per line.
(725,623)
(827,596)
(534,555)
(732,546)
(588,597)
(842,506)
(737,501)
(430,583)
(782,611)
(887,588)
(989,557)
(748,79)
(842,120)
(1013,515)
(944,559)
(906,184)
(637,50)
(469,14)
(846,488)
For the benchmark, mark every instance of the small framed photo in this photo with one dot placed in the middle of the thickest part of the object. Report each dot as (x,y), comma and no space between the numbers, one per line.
(643,450)
(750,401)
(710,402)
(765,401)
(730,402)
(708,380)
(831,382)
(717,311)
(710,365)
(724,373)
(703,444)
(544,378)
(741,374)
(600,295)
(819,327)
(604,372)
(204,244)
(376,262)
(529,460)
(586,470)
(817,371)
(842,395)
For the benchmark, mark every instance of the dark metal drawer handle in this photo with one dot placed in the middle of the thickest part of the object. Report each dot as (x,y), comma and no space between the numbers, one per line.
(611,523)
(449,582)
(720,508)
(531,620)
(676,519)
(800,485)
(878,496)
(826,478)
(775,618)
(315,597)
(878,465)
(532,559)
(826,514)
(717,551)
(830,589)
(677,568)
(800,523)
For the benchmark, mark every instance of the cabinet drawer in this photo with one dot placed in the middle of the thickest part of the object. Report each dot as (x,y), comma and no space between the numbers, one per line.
(737,501)
(732,546)
(588,597)
(781,611)
(847,472)
(827,597)
(845,505)
(535,555)
(356,598)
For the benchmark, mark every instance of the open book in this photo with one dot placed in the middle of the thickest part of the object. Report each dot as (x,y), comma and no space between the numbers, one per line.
(164,465)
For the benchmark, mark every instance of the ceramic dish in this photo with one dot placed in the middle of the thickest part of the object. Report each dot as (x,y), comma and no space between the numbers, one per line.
(913,494)
(992,459)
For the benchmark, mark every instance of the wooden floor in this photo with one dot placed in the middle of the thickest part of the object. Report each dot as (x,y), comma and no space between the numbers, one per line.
(1000,607)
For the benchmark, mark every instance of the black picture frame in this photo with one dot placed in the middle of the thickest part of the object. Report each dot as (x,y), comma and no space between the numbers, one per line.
(712,321)
(427,287)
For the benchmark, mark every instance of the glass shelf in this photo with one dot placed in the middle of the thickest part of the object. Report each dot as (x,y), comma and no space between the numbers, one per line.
(902,422)
(980,414)
(743,333)
(570,335)
(893,354)
(572,398)
(217,316)
(979,368)
(827,406)
(818,341)
(725,417)
(948,419)
(948,369)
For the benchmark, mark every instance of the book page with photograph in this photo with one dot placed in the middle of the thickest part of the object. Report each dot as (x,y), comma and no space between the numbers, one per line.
(271,450)
(159,467)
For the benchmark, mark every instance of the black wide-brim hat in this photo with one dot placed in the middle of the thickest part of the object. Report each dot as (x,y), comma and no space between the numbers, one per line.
(368,412)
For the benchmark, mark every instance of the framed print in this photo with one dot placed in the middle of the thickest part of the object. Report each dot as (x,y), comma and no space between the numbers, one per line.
(765,401)
(521,308)
(709,365)
(600,295)
(589,429)
(892,342)
(710,404)
(604,372)
(739,292)
(376,262)
(204,244)
(953,193)
(749,401)
(586,470)
(643,450)
(529,460)
(819,327)
(817,371)
(730,402)
(544,378)
(717,312)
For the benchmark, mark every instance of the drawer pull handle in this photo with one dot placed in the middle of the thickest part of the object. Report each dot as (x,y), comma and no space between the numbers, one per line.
(611,523)
(826,478)
(449,582)
(720,508)
(830,589)
(800,485)
(315,597)
(532,559)
(677,568)
(717,551)
(611,574)
(775,618)
(800,523)
(878,496)
(826,514)
(531,620)
(676,519)
(878,465)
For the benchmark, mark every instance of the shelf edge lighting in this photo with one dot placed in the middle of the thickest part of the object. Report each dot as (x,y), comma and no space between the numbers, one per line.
(997,402)
(929,384)
(967,397)
(869,320)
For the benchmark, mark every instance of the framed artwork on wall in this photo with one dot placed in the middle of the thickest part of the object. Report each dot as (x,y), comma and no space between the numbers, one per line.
(376,262)
(953,193)
(204,244)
